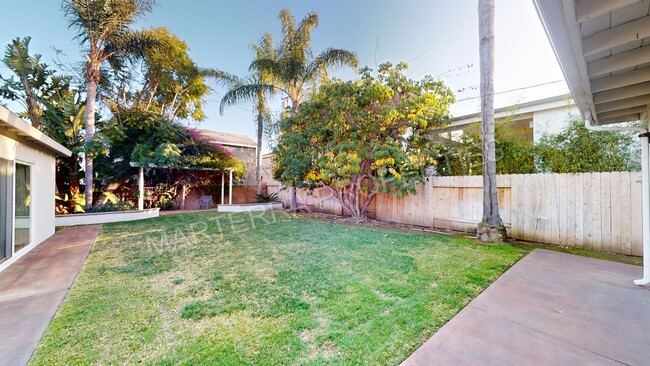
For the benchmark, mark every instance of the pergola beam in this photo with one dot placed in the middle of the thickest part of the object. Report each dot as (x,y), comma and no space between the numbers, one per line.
(616,36)
(587,9)
(625,92)
(622,104)
(618,61)
(620,80)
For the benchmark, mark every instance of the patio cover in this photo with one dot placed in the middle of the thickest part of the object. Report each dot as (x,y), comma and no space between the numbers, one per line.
(603,47)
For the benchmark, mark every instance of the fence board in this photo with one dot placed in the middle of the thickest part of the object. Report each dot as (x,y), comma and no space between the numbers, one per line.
(578,183)
(615,199)
(606,215)
(570,228)
(596,213)
(626,211)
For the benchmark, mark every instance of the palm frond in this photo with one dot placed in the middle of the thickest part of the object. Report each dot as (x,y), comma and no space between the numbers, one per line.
(223,78)
(334,57)
(99,22)
(244,93)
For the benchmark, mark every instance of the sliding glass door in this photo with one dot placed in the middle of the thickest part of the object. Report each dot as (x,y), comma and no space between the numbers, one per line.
(22,207)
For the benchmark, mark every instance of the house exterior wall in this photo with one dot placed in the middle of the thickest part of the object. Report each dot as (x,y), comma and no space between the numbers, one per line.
(547,116)
(552,121)
(269,184)
(42,189)
(247,157)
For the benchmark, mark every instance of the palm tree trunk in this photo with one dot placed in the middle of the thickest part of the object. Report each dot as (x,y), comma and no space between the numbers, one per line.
(91,95)
(258,157)
(491,228)
(292,190)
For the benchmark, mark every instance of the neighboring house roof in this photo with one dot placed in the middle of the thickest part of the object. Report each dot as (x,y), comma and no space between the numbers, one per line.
(558,101)
(229,139)
(603,48)
(15,127)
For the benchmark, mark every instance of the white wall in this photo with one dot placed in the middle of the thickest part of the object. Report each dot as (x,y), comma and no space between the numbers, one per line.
(106,217)
(43,184)
(552,121)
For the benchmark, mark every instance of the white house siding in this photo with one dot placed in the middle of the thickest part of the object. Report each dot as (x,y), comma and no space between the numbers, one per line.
(552,121)
(42,190)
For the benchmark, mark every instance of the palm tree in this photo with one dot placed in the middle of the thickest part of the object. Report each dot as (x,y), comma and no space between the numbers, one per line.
(256,88)
(491,227)
(103,29)
(294,67)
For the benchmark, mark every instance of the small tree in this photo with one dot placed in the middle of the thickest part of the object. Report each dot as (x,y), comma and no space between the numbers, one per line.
(358,138)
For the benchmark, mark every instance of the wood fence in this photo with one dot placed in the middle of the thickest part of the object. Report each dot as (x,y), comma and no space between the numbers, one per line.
(598,211)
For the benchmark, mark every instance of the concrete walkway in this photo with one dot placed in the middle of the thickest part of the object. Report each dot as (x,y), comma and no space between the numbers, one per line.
(549,309)
(32,289)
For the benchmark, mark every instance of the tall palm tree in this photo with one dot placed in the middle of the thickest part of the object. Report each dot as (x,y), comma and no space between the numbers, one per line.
(103,29)
(491,227)
(294,67)
(257,87)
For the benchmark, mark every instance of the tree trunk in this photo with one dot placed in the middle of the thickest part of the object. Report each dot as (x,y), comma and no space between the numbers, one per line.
(258,155)
(91,94)
(292,189)
(491,228)
(292,192)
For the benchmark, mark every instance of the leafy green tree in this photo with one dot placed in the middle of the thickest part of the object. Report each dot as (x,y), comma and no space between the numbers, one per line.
(32,82)
(164,81)
(255,88)
(103,28)
(51,103)
(153,139)
(579,150)
(358,138)
(294,68)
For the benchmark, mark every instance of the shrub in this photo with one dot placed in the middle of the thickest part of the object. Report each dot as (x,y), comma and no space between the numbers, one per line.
(169,206)
(109,207)
(265,198)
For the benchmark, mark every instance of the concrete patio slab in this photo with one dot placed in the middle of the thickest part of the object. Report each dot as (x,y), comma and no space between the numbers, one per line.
(32,289)
(549,309)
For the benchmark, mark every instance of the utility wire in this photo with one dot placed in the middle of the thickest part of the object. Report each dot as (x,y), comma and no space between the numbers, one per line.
(512,90)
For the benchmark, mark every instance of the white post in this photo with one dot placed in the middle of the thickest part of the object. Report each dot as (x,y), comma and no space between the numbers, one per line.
(645,187)
(141,189)
(230,185)
(183,194)
(223,182)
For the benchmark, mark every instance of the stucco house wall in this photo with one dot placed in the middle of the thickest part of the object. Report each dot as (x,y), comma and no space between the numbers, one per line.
(553,121)
(531,119)
(20,143)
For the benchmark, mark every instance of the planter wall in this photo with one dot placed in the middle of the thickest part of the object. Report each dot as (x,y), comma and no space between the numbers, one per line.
(105,217)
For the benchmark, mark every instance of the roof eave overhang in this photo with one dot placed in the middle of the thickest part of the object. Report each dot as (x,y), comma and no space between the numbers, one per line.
(605,67)
(565,41)
(14,126)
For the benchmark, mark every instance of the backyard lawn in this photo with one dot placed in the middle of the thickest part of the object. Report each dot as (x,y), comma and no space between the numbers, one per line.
(221,289)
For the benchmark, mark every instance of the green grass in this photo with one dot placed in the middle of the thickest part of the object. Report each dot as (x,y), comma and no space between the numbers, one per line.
(285,290)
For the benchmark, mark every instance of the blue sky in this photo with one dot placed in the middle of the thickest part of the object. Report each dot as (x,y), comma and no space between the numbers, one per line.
(434,37)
